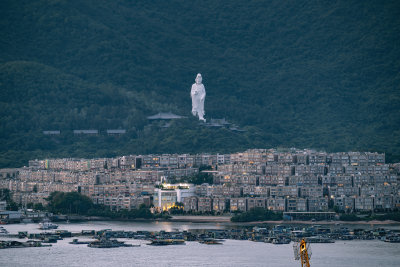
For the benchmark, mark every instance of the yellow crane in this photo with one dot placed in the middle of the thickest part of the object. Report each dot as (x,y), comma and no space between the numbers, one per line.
(302,252)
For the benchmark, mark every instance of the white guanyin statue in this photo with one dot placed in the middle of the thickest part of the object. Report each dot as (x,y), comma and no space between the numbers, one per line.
(198,94)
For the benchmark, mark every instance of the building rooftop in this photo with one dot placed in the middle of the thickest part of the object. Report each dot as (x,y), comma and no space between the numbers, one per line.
(122,131)
(165,116)
(51,132)
(86,131)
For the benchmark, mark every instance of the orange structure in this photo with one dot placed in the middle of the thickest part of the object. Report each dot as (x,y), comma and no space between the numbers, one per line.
(302,252)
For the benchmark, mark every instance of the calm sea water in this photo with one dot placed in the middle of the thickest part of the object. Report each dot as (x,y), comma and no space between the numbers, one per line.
(232,253)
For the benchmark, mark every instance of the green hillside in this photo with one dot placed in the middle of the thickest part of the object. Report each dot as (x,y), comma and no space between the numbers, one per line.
(321,74)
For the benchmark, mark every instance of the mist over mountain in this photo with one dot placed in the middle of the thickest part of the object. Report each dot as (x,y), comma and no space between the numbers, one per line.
(319,74)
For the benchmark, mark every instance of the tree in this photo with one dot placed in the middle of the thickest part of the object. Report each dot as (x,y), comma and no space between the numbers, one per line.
(336,209)
(71,202)
(12,206)
(6,195)
(201,178)
(38,206)
(349,217)
(178,208)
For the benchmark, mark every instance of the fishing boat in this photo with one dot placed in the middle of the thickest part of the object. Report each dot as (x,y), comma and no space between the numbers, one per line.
(3,231)
(47,225)
(280,241)
(392,239)
(109,243)
(75,241)
(211,242)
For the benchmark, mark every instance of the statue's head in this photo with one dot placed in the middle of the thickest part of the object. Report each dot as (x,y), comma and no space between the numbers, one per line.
(198,78)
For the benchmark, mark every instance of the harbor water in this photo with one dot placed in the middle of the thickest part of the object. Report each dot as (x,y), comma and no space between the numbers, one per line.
(365,253)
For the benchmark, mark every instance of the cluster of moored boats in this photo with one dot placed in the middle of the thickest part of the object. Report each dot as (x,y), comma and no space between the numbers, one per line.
(278,234)
(18,244)
(281,234)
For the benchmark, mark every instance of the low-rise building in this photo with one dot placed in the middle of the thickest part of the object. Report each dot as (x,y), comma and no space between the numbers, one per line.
(205,204)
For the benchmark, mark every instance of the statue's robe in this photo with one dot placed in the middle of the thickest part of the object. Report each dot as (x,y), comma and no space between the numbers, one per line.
(198,94)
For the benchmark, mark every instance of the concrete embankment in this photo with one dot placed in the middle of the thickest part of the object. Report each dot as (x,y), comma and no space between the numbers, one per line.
(227,219)
(374,222)
(204,219)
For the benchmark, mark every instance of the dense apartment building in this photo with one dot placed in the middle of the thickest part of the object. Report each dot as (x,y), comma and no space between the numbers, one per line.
(281,180)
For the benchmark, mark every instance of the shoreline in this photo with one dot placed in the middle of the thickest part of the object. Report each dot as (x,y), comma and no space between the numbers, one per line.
(223,219)
(200,218)
(373,222)
(226,219)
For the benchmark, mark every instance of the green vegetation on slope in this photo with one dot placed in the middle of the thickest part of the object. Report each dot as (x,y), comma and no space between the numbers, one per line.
(321,75)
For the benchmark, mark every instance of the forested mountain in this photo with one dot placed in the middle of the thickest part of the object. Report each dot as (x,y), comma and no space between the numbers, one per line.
(319,74)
